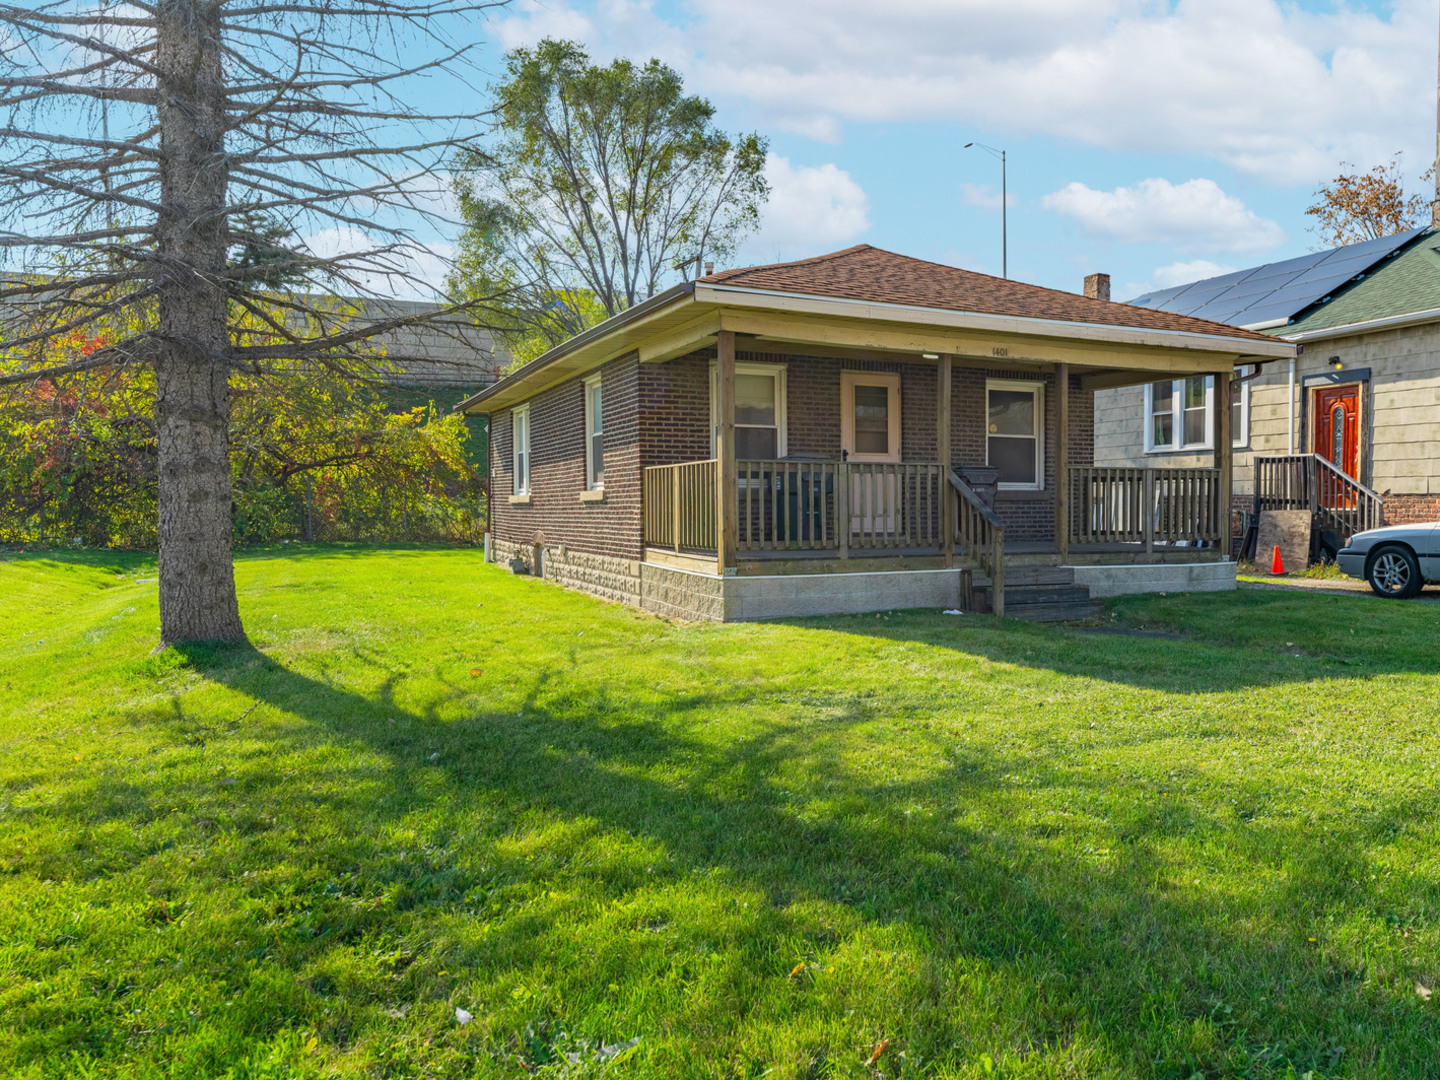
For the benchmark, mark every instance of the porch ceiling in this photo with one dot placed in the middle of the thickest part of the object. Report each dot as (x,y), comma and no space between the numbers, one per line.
(688,318)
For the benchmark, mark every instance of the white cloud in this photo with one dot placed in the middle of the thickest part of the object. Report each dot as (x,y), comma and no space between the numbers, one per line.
(812,209)
(534,20)
(985,197)
(415,273)
(1196,215)
(1180,273)
(1262,85)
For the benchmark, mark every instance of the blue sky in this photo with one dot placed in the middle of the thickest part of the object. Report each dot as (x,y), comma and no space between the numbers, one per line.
(1156,141)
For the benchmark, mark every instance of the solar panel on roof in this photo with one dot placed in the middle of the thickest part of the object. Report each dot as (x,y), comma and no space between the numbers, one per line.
(1279,290)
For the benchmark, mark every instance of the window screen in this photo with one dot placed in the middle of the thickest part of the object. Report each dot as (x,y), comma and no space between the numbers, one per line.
(1014,435)
(872,419)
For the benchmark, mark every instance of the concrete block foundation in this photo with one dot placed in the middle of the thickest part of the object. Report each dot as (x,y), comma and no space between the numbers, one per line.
(688,594)
(1105,581)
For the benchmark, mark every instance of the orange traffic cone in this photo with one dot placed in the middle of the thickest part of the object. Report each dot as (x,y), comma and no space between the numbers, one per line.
(1277,566)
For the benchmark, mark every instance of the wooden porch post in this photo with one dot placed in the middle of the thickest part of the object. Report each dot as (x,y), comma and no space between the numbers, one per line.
(942,442)
(1062,461)
(1224,456)
(727,530)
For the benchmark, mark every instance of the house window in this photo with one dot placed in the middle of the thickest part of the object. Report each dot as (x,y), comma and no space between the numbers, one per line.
(1195,401)
(1014,441)
(759,411)
(1160,406)
(520,437)
(1180,414)
(594,436)
(1240,405)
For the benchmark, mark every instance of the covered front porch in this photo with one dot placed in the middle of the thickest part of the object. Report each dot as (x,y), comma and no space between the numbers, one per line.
(874,509)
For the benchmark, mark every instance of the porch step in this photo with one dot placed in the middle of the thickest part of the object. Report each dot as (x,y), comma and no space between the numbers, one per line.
(1040,594)
(1025,595)
(1025,576)
(1071,612)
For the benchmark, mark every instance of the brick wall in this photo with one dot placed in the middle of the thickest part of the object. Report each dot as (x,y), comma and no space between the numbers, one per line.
(1411,509)
(555,514)
(675,406)
(1029,515)
(659,414)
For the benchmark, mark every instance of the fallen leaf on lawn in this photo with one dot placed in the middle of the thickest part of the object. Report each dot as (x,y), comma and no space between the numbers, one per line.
(797,969)
(1423,990)
(476,671)
(312,1044)
(463,1017)
(608,1051)
(879,1049)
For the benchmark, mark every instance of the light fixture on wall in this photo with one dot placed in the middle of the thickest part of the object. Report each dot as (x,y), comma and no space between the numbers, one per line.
(930,355)
(1336,363)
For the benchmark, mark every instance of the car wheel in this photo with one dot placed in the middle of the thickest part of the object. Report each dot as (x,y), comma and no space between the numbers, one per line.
(1394,573)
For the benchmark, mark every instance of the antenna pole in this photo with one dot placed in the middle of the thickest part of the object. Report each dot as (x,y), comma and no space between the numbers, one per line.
(1435,206)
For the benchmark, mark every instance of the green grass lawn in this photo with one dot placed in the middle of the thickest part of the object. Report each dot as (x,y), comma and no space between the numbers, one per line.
(907,845)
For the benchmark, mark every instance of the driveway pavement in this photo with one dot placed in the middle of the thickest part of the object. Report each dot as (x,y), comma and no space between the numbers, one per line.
(1324,585)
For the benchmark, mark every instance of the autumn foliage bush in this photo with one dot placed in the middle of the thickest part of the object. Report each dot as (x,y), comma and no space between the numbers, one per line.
(313,456)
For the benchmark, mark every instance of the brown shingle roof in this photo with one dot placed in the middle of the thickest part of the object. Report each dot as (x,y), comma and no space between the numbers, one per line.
(872,274)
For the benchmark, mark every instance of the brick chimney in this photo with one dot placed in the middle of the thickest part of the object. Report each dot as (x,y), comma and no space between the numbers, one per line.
(1097,286)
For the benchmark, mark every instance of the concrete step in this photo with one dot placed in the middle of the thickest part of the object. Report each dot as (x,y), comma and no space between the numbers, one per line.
(1074,612)
(1046,594)
(1019,576)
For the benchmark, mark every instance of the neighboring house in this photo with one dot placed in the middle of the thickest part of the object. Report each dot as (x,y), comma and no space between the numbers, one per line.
(447,353)
(1350,428)
(856,432)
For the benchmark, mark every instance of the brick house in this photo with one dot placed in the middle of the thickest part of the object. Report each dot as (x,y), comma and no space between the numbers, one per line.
(1345,429)
(855,432)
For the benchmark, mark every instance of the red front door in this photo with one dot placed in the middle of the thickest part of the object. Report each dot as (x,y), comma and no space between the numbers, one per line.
(1337,427)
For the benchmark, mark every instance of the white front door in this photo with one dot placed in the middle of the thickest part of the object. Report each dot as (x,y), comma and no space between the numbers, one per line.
(870,432)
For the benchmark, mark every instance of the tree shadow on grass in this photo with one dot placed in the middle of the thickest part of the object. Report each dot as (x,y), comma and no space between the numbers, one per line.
(347,549)
(1193,645)
(1118,950)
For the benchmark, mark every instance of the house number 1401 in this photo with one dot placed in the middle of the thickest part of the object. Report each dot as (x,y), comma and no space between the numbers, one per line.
(1000,350)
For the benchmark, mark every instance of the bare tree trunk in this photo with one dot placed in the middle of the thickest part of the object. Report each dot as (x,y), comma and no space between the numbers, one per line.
(192,406)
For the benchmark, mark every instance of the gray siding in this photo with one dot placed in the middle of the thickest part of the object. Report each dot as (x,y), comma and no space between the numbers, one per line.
(1399,412)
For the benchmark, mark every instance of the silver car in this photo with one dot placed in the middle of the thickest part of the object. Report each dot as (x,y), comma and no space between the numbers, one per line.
(1397,560)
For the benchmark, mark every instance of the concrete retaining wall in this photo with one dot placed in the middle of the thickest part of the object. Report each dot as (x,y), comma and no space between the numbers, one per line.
(686,594)
(791,596)
(1157,577)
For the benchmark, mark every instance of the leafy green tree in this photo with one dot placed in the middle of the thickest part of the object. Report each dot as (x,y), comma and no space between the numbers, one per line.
(597,185)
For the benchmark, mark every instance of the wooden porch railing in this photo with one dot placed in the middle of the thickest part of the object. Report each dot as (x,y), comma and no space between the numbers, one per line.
(837,505)
(1146,506)
(678,506)
(980,538)
(798,506)
(1310,482)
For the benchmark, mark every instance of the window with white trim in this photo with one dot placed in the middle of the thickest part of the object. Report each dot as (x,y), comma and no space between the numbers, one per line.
(1180,414)
(759,411)
(594,436)
(1015,432)
(520,448)
(1240,404)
